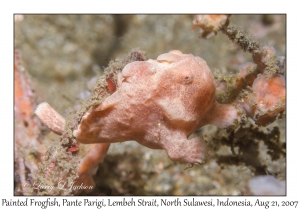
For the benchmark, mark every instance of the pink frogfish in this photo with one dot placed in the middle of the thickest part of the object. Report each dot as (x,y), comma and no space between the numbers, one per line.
(159,103)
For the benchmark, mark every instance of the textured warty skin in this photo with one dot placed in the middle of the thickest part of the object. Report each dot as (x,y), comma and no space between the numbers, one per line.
(159,103)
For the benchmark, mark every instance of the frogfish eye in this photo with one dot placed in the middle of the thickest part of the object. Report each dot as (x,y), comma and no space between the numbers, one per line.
(186,76)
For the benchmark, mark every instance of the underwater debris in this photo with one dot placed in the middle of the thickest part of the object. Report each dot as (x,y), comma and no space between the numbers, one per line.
(79,171)
(267,185)
(27,142)
(210,24)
